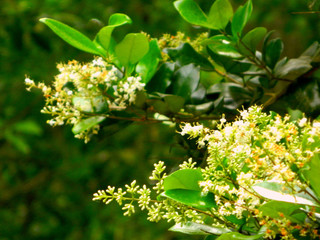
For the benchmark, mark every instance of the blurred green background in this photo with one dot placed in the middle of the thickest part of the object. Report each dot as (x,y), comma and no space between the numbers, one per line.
(47,177)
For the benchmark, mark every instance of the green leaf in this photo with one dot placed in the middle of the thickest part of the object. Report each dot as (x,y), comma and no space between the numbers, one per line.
(221,45)
(72,36)
(183,179)
(252,39)
(186,81)
(132,48)
(191,198)
(186,54)
(239,236)
(90,104)
(294,68)
(148,65)
(193,228)
(272,52)
(241,18)
(87,123)
(220,13)
(291,211)
(103,37)
(162,78)
(280,192)
(191,12)
(28,127)
(174,103)
(311,174)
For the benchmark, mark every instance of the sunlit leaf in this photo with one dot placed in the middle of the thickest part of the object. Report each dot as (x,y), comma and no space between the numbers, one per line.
(239,236)
(311,174)
(241,18)
(191,12)
(221,45)
(103,37)
(198,229)
(90,104)
(132,48)
(291,211)
(183,179)
(191,198)
(72,36)
(220,13)
(87,123)
(280,192)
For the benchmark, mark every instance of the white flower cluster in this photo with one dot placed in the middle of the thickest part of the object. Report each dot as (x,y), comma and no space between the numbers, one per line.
(254,148)
(80,91)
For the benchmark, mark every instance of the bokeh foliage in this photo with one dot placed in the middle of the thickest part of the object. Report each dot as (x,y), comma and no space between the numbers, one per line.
(47,177)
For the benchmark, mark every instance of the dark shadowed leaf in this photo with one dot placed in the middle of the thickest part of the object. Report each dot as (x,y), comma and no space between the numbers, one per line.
(186,54)
(186,81)
(251,40)
(272,52)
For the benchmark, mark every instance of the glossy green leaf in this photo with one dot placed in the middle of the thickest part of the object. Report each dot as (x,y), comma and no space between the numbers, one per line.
(193,228)
(103,37)
(87,123)
(162,78)
(191,12)
(221,45)
(191,198)
(291,211)
(241,18)
(183,179)
(90,104)
(280,192)
(272,52)
(148,65)
(294,68)
(220,13)
(311,174)
(239,236)
(186,81)
(132,48)
(186,54)
(251,40)
(72,36)
(174,103)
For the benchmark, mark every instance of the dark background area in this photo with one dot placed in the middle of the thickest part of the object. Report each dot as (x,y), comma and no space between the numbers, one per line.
(47,177)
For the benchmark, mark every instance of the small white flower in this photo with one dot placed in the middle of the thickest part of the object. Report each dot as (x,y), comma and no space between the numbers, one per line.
(302,122)
(28,81)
